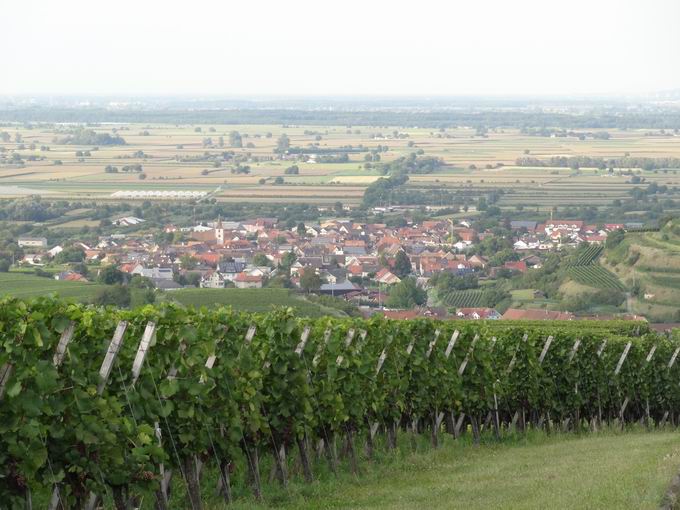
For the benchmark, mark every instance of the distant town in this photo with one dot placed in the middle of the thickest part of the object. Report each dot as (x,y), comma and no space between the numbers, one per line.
(440,268)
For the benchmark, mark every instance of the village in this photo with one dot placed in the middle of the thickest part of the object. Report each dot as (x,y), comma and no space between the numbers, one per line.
(360,263)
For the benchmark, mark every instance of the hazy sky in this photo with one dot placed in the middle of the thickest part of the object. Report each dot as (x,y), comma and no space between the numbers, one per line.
(301,47)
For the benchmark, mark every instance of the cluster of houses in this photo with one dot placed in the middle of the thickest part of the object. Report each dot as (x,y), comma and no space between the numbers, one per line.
(352,260)
(554,234)
(357,261)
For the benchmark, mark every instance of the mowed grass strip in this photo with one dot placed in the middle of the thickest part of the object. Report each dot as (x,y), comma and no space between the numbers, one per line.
(606,470)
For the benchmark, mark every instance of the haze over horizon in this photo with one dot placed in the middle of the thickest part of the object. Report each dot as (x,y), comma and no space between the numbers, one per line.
(293,49)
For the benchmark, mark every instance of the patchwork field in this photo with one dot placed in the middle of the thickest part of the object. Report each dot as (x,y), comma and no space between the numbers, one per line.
(179,158)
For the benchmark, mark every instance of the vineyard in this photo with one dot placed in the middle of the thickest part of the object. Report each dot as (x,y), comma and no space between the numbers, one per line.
(464,298)
(589,255)
(596,276)
(111,405)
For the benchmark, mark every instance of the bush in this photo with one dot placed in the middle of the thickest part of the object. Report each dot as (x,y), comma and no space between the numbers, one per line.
(117,295)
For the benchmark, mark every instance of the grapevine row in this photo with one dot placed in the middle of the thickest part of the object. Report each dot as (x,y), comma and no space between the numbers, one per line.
(595,276)
(112,403)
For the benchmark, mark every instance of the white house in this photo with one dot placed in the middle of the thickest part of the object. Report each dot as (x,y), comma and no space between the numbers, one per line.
(213,280)
(32,242)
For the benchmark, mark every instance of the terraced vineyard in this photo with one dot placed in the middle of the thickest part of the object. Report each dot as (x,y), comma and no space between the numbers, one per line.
(595,276)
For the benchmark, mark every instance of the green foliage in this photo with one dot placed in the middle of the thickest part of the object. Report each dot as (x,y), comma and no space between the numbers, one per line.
(595,276)
(586,254)
(310,281)
(55,426)
(446,282)
(261,259)
(117,295)
(89,137)
(380,191)
(412,164)
(282,143)
(402,265)
(70,254)
(472,298)
(406,294)
(614,239)
(235,139)
(110,275)
(586,301)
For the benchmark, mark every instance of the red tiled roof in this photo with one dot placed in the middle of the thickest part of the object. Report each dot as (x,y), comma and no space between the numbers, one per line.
(536,315)
(244,277)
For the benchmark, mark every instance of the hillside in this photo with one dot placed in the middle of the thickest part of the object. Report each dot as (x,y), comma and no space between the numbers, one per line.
(649,264)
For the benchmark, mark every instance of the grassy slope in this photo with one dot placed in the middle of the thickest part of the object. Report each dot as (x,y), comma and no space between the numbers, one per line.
(607,470)
(653,259)
(28,286)
(24,285)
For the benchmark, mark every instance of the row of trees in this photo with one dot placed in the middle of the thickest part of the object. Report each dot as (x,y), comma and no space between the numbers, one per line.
(576,162)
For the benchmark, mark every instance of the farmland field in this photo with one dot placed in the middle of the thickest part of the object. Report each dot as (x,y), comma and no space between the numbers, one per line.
(183,158)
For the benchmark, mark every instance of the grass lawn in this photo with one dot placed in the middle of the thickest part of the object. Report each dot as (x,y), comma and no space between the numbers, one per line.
(24,285)
(605,470)
(522,294)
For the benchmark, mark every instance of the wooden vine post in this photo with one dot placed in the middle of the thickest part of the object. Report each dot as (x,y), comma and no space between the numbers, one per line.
(572,354)
(252,453)
(60,353)
(671,362)
(302,440)
(511,365)
(619,365)
(104,374)
(474,419)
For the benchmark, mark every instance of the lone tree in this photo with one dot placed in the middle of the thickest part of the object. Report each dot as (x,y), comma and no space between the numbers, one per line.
(110,275)
(117,295)
(402,265)
(283,143)
(310,281)
(406,294)
(235,139)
